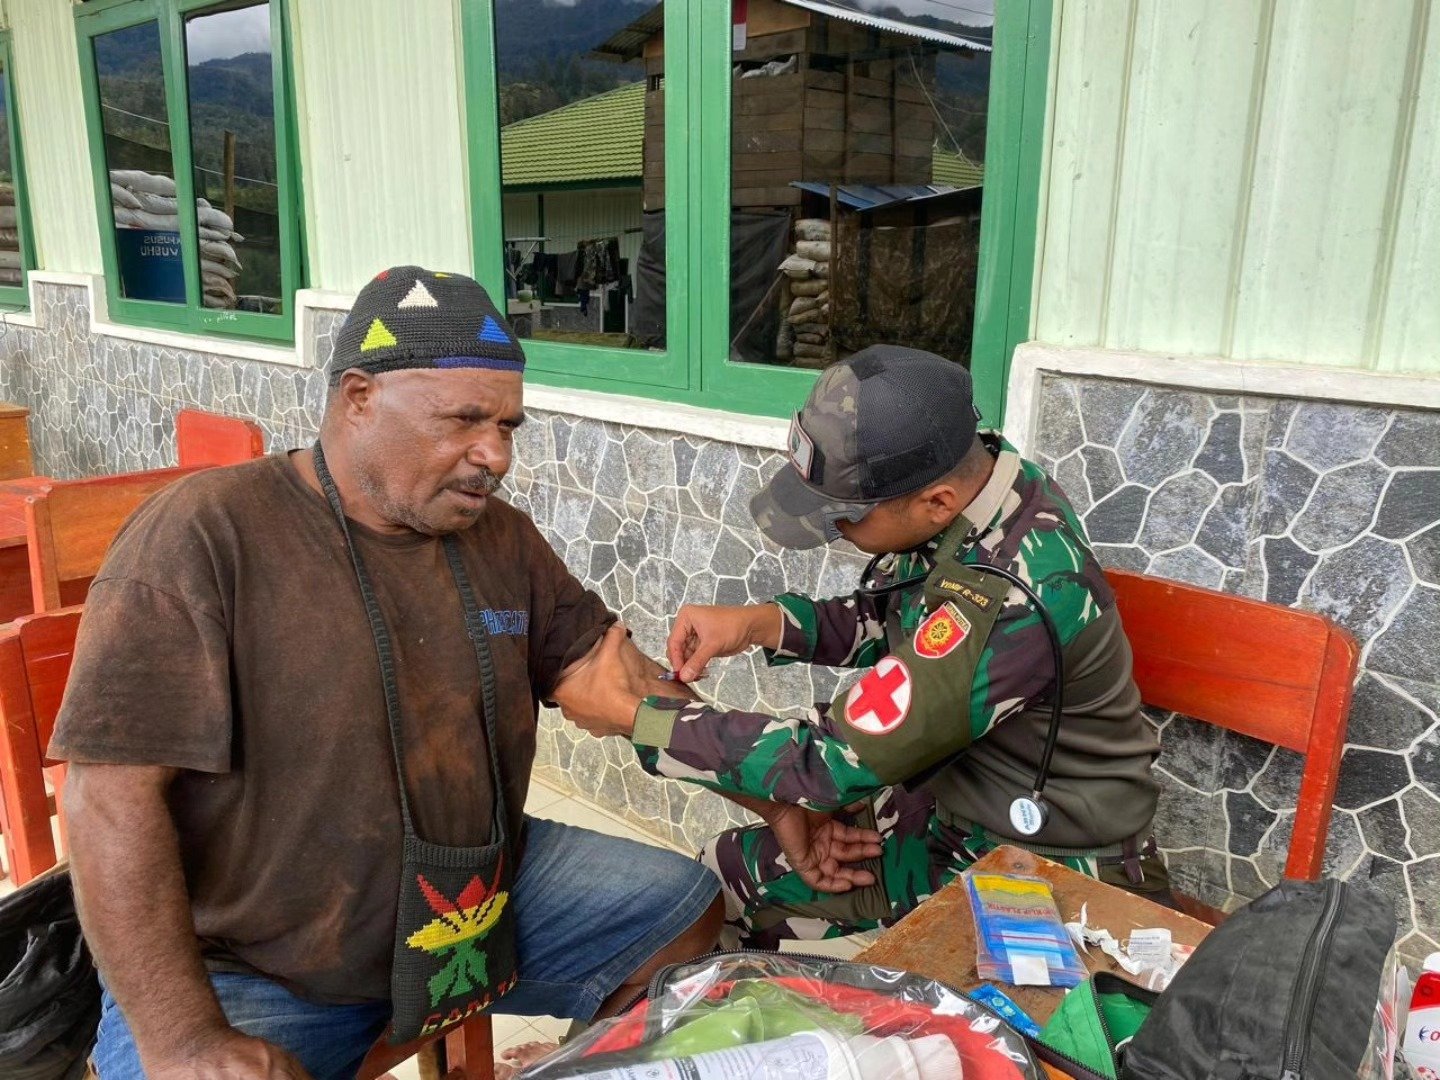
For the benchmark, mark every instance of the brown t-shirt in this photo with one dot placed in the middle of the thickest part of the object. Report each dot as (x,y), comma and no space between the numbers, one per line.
(225,636)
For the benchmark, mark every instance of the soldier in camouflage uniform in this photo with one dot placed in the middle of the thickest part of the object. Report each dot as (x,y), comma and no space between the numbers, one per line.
(931,746)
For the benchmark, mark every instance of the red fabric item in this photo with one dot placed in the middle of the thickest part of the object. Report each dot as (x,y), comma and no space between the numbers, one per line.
(881,1014)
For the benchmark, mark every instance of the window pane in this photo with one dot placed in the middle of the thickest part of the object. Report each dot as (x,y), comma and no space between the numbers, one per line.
(11,270)
(857,162)
(137,154)
(582,151)
(232,148)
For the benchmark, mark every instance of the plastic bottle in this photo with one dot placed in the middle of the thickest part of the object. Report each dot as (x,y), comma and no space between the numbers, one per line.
(1422,1029)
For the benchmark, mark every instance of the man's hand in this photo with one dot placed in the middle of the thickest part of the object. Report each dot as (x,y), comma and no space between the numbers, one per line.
(822,850)
(601,693)
(229,1056)
(702,633)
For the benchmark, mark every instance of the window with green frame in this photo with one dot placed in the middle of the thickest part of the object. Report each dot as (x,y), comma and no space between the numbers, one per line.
(191,143)
(848,172)
(16,251)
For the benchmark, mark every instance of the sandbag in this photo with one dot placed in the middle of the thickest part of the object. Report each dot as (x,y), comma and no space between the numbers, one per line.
(49,992)
(123,196)
(220,252)
(137,180)
(163,205)
(803,303)
(796,267)
(819,250)
(139,219)
(210,266)
(812,229)
(808,288)
(8,217)
(215,219)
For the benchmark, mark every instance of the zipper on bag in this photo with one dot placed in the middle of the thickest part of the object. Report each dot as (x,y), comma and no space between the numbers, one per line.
(1307,987)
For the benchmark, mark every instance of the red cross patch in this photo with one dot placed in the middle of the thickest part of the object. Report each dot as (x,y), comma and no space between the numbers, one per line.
(879,703)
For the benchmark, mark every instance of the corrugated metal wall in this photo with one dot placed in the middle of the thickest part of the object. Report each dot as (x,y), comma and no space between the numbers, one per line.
(379,100)
(52,128)
(571,216)
(1246,178)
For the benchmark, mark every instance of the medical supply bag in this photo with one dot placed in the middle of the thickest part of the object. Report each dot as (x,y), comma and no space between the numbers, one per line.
(767,1016)
(1300,984)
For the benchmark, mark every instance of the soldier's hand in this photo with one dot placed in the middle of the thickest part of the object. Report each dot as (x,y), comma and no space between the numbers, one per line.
(701,633)
(601,692)
(823,850)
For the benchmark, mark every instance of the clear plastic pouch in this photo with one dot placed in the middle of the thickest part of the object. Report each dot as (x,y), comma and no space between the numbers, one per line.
(766,1016)
(1020,938)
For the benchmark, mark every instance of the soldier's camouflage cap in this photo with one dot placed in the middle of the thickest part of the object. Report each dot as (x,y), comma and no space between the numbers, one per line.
(879,424)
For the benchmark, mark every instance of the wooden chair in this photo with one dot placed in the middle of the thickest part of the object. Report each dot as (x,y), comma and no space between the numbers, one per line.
(469,1053)
(205,438)
(35,656)
(1276,674)
(69,526)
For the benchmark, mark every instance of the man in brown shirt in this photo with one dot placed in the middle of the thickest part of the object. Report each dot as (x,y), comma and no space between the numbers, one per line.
(234,803)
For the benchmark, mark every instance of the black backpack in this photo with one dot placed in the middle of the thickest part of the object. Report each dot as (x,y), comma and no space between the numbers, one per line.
(49,992)
(1293,986)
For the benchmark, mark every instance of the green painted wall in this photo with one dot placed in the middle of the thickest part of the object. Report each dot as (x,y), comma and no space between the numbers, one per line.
(52,127)
(1245,178)
(381,137)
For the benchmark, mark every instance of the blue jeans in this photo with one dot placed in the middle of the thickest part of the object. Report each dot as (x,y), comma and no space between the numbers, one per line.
(591,909)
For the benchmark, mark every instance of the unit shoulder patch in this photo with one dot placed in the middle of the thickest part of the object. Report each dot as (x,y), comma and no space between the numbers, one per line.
(942,632)
(880,702)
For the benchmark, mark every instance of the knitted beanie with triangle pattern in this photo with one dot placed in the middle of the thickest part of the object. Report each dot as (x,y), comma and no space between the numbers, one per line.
(409,317)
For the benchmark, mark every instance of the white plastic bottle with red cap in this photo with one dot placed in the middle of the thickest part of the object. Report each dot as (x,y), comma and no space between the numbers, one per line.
(1422,1030)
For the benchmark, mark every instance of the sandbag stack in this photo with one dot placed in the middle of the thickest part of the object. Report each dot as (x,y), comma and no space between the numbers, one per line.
(805,331)
(144,200)
(10,269)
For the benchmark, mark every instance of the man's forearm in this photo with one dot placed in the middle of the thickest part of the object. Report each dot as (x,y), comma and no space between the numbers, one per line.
(135,909)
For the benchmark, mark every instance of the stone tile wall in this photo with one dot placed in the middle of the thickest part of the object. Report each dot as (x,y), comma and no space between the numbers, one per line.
(1331,508)
(1334,508)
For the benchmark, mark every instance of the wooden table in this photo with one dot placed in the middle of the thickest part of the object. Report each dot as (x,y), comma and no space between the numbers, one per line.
(938,938)
(15,595)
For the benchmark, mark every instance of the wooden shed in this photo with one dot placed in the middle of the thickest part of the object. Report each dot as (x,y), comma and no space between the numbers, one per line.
(821,93)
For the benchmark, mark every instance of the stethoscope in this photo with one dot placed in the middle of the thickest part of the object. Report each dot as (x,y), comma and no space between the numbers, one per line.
(1028,813)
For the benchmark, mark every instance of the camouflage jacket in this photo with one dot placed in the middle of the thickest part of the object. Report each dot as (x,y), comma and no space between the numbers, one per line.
(956,697)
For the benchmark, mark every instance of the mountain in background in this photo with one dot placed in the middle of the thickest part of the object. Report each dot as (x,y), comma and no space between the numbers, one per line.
(541,52)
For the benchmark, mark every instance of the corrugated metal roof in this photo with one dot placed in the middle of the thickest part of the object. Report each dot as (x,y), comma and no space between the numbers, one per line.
(957,170)
(894,26)
(603,138)
(871,196)
(628,43)
(596,138)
